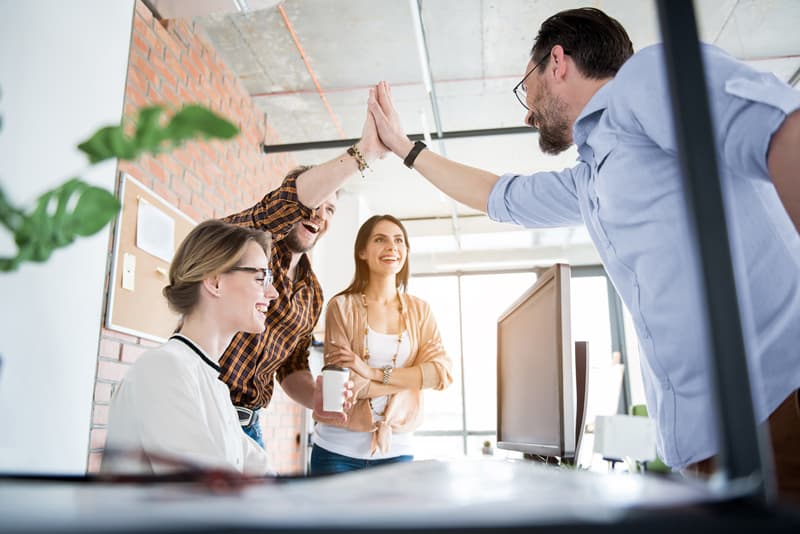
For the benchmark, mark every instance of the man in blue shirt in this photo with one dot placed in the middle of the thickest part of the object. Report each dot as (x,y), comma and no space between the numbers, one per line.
(584,85)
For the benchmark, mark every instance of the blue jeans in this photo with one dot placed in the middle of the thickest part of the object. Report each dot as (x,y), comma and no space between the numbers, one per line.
(254,431)
(325,462)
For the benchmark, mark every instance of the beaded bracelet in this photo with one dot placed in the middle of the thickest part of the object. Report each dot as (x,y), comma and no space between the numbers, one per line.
(361,161)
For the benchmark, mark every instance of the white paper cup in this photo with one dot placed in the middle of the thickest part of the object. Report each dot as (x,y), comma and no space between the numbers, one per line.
(333,382)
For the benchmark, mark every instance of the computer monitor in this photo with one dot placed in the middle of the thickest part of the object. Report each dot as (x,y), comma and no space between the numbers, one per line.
(536,386)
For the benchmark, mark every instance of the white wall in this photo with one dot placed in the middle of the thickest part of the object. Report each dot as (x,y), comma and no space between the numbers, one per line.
(333,255)
(62,75)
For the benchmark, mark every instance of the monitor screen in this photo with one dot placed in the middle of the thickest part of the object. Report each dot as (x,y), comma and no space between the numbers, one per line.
(536,401)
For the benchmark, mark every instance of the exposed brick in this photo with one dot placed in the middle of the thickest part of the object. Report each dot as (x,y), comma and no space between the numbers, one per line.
(97,438)
(193,183)
(143,11)
(190,211)
(118,336)
(156,171)
(166,193)
(156,46)
(169,95)
(131,353)
(200,204)
(144,66)
(109,349)
(95,461)
(111,370)
(139,45)
(181,189)
(100,414)
(102,392)
(168,78)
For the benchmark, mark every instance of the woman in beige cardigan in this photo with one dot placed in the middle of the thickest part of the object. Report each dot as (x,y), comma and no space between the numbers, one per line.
(391,344)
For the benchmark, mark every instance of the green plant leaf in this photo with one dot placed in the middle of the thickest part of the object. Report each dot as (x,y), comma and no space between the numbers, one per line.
(72,209)
(76,208)
(192,121)
(95,208)
(149,136)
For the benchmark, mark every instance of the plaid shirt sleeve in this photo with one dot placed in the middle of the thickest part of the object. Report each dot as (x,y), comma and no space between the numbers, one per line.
(276,213)
(297,361)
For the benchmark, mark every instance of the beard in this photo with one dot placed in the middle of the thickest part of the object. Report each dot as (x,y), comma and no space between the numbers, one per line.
(555,134)
(297,245)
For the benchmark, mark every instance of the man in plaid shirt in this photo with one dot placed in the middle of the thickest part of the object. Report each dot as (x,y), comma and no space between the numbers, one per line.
(297,214)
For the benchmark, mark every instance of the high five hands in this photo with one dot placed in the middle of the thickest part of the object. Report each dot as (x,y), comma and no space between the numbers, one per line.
(387,120)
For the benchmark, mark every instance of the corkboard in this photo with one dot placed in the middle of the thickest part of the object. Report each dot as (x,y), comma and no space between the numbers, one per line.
(142,311)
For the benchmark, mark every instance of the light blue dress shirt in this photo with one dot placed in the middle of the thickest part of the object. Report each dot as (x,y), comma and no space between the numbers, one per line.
(627,189)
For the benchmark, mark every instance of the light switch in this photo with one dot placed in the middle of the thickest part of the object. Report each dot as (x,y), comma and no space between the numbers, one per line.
(128,271)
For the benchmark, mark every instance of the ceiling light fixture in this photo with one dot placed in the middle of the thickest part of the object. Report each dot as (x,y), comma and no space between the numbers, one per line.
(241,5)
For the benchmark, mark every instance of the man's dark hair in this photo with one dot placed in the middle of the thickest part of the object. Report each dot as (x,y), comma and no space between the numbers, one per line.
(597,43)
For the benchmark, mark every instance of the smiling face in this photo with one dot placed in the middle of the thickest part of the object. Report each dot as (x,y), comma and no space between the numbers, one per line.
(305,234)
(386,251)
(246,298)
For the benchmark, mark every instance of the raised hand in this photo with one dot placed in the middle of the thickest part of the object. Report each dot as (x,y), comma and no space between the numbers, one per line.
(370,144)
(387,120)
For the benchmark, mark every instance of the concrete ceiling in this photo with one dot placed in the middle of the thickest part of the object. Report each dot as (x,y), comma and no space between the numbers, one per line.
(478,50)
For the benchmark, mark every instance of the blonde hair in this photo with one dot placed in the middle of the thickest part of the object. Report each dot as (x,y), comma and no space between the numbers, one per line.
(212,247)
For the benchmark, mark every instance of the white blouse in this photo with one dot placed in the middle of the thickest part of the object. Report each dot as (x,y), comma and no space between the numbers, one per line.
(172,403)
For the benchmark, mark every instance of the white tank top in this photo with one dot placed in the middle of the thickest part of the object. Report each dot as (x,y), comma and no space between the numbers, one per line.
(357,444)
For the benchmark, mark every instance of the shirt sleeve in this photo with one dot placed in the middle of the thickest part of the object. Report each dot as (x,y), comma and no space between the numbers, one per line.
(747,106)
(297,360)
(432,349)
(336,331)
(540,200)
(276,213)
(171,412)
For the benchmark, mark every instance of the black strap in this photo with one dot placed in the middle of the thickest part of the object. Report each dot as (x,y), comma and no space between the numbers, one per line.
(199,352)
(418,146)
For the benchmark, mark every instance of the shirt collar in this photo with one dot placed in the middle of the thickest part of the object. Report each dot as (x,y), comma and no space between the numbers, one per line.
(585,123)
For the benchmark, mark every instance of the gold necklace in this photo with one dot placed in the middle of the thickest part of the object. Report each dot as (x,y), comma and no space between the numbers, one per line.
(401,328)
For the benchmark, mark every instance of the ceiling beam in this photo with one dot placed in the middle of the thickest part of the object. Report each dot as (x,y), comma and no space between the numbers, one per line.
(342,143)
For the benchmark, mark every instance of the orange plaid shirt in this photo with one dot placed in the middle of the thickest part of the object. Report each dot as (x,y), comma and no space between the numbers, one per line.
(251,361)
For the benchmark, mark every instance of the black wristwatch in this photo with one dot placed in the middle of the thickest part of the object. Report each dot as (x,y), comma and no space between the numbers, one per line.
(418,146)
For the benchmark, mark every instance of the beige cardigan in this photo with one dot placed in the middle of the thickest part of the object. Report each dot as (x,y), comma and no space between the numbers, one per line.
(345,318)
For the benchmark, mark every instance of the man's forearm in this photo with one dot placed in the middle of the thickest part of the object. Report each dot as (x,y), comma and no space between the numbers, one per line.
(783,161)
(321,181)
(299,386)
(468,185)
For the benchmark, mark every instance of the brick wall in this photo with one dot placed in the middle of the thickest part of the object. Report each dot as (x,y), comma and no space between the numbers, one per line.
(171,63)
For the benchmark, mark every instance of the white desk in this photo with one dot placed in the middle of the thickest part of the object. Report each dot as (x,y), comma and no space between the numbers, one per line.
(427,494)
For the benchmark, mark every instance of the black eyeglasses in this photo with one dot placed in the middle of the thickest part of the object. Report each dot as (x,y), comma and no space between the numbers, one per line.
(520,90)
(266,275)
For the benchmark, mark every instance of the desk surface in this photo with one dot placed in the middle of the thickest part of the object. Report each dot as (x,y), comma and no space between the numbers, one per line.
(428,494)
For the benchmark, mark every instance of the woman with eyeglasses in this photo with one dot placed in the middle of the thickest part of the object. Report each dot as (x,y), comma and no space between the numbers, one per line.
(171,412)
(391,344)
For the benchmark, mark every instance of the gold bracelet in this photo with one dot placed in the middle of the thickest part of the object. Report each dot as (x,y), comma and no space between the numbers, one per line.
(361,161)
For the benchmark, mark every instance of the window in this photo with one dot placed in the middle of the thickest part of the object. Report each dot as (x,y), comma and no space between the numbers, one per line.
(460,419)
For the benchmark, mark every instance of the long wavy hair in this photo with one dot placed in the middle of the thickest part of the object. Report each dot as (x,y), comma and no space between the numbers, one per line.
(361,277)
